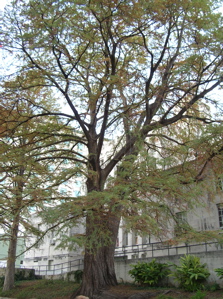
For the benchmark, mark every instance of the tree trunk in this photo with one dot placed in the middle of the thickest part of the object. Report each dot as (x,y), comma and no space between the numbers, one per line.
(10,269)
(99,271)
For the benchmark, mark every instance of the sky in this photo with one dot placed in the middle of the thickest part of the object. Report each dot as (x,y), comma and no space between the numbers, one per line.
(2,4)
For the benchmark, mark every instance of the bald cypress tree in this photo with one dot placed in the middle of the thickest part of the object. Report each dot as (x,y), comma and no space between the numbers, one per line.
(129,74)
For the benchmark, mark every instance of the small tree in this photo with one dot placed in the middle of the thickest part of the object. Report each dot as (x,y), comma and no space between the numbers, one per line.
(27,180)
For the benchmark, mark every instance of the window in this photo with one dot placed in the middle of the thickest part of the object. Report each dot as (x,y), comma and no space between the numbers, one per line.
(125,239)
(220,214)
(50,264)
(135,238)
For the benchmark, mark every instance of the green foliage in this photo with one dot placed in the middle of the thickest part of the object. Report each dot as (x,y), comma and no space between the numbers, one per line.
(219,272)
(199,295)
(149,273)
(22,274)
(162,296)
(213,287)
(41,289)
(78,274)
(190,273)
(2,278)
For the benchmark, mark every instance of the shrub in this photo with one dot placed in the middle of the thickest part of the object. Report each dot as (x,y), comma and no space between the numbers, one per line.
(191,273)
(149,273)
(78,274)
(2,278)
(23,274)
(198,295)
(219,272)
(213,287)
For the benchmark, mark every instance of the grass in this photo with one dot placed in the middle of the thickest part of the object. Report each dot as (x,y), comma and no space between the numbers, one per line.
(41,289)
(61,289)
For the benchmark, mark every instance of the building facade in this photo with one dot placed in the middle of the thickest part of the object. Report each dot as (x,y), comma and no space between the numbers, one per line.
(206,216)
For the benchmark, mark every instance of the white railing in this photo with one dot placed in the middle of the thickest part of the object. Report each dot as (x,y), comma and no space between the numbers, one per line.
(57,269)
(133,251)
(163,249)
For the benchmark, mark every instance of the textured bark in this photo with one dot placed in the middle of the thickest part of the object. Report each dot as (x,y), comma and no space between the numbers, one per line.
(99,271)
(10,268)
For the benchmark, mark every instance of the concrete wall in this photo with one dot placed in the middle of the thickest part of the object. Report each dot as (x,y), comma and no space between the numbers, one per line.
(122,266)
(212,259)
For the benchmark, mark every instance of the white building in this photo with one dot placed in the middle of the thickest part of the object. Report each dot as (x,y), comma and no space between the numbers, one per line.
(45,256)
(206,216)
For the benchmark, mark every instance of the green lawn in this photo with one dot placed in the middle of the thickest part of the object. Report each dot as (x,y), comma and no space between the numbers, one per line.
(60,289)
(41,289)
